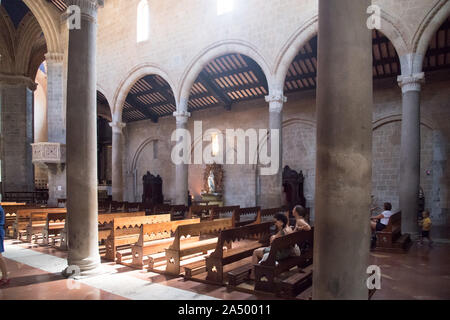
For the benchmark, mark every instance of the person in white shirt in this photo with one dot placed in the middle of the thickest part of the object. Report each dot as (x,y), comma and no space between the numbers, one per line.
(380,221)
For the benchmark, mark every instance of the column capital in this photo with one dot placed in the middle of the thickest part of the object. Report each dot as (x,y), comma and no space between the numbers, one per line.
(276,100)
(17,80)
(88,8)
(54,57)
(117,126)
(411,82)
(182,116)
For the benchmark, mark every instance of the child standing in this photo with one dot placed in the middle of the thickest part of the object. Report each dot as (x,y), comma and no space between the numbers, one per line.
(426,227)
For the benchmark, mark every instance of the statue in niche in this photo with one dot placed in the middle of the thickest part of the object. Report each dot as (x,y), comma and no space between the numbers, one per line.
(213,179)
(211,183)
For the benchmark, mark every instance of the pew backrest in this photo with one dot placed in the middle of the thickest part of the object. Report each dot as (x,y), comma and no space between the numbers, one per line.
(162,230)
(269,214)
(251,232)
(246,216)
(304,240)
(106,219)
(223,212)
(199,210)
(198,229)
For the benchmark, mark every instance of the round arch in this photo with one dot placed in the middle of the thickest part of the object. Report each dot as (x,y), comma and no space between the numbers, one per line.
(132,77)
(391,27)
(430,24)
(214,51)
(139,150)
(49,20)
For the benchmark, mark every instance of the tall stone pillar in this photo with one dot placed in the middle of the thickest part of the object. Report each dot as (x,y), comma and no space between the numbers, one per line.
(56,119)
(271,185)
(16,104)
(410,82)
(81,120)
(344,146)
(182,170)
(117,154)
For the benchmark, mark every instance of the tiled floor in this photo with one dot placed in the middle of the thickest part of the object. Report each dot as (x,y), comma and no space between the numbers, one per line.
(422,273)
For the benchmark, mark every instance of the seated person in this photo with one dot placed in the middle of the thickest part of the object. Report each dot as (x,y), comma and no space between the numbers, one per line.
(281,223)
(300,223)
(380,221)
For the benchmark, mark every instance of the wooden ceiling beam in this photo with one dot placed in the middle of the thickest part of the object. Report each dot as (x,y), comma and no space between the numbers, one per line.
(164,91)
(213,88)
(142,108)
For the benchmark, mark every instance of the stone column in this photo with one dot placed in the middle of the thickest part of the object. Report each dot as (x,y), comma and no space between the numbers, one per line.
(82,197)
(16,104)
(344,151)
(117,154)
(182,170)
(410,150)
(271,185)
(56,119)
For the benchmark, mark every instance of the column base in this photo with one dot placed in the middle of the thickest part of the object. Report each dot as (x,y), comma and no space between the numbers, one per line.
(97,271)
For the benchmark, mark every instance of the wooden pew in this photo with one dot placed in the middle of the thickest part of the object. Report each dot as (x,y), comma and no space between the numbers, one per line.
(38,222)
(134,207)
(105,222)
(258,236)
(268,214)
(202,212)
(118,206)
(178,249)
(161,209)
(178,212)
(10,209)
(154,238)
(245,216)
(104,206)
(23,219)
(266,272)
(390,239)
(223,212)
(125,232)
(54,226)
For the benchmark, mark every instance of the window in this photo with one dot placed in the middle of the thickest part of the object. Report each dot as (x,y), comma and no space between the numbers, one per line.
(143,21)
(224,6)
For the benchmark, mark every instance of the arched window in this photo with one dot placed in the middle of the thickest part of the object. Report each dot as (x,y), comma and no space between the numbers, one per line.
(143,21)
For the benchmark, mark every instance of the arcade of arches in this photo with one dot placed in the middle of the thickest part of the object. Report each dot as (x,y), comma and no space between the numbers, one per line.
(86,113)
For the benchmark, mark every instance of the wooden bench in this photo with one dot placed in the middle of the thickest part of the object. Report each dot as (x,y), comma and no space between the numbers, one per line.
(267,271)
(125,232)
(390,239)
(54,226)
(245,216)
(23,217)
(268,214)
(178,212)
(154,238)
(202,212)
(258,236)
(296,283)
(223,212)
(37,223)
(105,222)
(10,210)
(178,249)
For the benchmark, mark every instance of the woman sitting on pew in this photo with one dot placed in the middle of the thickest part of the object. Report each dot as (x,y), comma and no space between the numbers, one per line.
(300,222)
(380,221)
(260,254)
